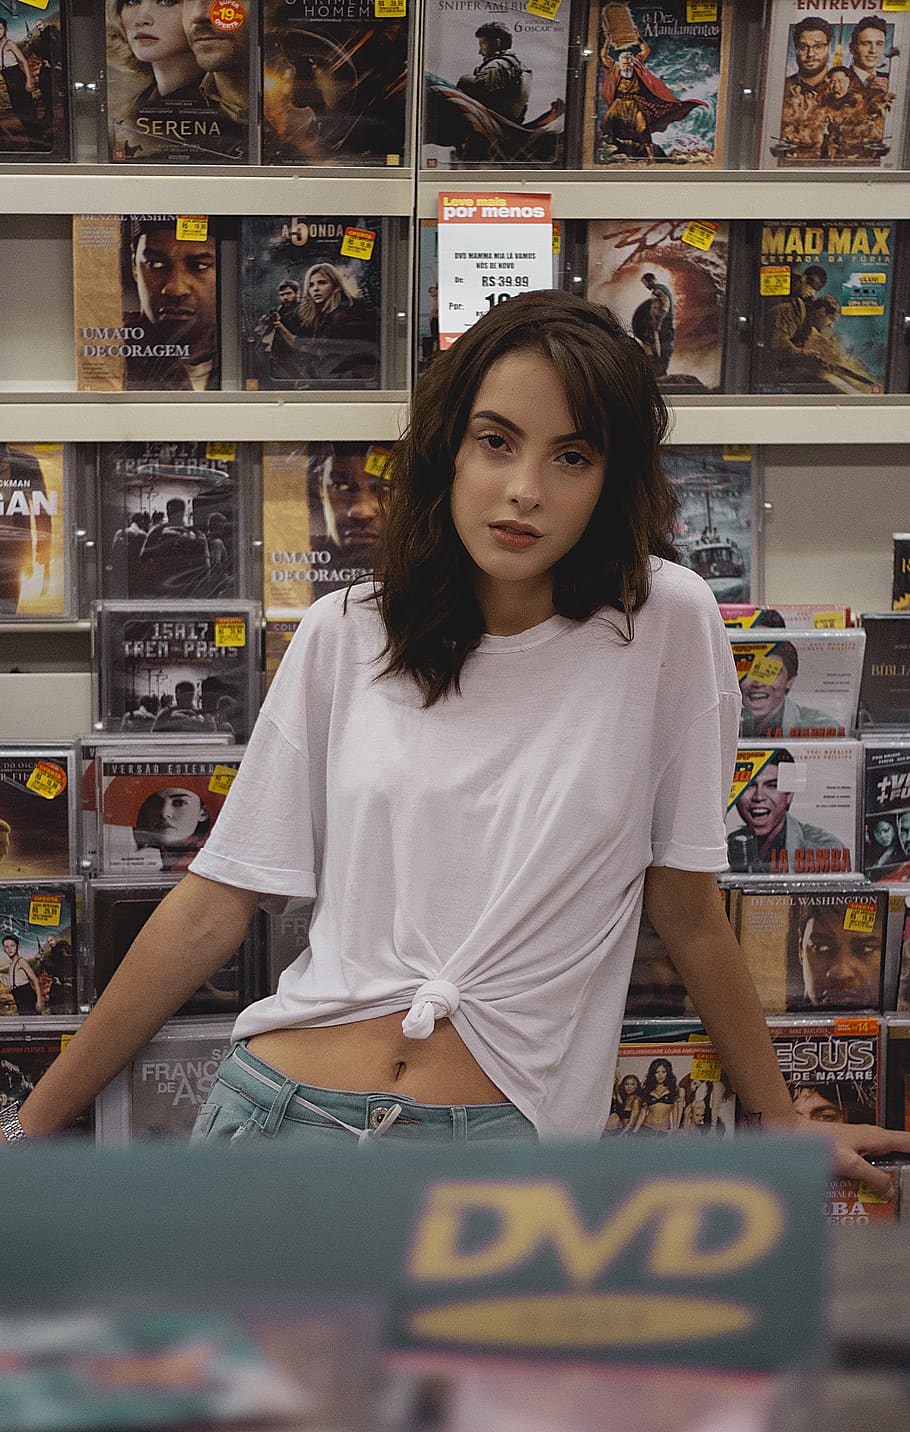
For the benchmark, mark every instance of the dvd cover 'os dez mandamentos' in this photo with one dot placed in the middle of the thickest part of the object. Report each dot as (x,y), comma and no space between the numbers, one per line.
(37,812)
(714,528)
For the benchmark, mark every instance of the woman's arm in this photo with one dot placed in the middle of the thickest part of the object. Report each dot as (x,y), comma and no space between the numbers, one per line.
(685,909)
(189,936)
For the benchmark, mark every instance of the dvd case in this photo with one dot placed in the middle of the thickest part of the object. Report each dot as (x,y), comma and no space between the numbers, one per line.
(669,1081)
(173,520)
(832,1065)
(656,989)
(897,1072)
(178,82)
(900,583)
(158,807)
(806,686)
(884,692)
(177,668)
(37,577)
(717,491)
(34,82)
(669,292)
(820,616)
(311,300)
(172,1076)
(902,1000)
(886,809)
(286,940)
(657,84)
(823,307)
(335,82)
(40,935)
(851,1204)
(37,811)
(278,634)
(793,809)
(145,295)
(24,1058)
(497,84)
(834,87)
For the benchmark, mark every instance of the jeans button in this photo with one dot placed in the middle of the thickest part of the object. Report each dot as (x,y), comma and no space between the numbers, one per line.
(377,1115)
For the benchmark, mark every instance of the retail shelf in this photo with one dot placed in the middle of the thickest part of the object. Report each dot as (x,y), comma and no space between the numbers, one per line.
(37,628)
(792,420)
(46,705)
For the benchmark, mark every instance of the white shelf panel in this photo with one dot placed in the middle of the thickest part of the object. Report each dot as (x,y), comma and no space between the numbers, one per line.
(46,706)
(109,189)
(798,420)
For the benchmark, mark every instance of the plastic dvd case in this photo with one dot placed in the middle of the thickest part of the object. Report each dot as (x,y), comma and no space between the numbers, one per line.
(172,1076)
(717,526)
(286,937)
(177,668)
(180,85)
(37,811)
(311,301)
(793,809)
(834,88)
(886,808)
(157,807)
(822,307)
(902,1001)
(884,693)
(120,908)
(278,634)
(657,85)
(655,988)
(498,85)
(145,295)
(173,520)
(35,86)
(37,571)
(40,943)
(669,1081)
(804,686)
(897,1071)
(25,1056)
(820,616)
(813,946)
(832,1065)
(668,292)
(335,82)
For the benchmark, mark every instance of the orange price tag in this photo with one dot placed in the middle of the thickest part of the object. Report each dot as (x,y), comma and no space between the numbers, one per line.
(44,909)
(557,236)
(222,779)
(358,243)
(227,14)
(47,780)
(230,631)
(847,1025)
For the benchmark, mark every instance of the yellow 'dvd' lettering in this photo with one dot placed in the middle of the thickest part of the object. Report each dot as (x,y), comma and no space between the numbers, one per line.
(531,1215)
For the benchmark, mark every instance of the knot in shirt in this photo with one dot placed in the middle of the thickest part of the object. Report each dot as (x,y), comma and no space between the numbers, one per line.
(434,999)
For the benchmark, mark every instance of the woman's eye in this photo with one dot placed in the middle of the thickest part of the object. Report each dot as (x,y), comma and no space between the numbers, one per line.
(495,441)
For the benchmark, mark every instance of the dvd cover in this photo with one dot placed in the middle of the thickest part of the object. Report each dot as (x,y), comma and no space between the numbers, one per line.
(902,1002)
(39,939)
(173,520)
(900,585)
(36,525)
(334,82)
(832,1065)
(145,295)
(177,668)
(821,616)
(37,811)
(669,1081)
(34,82)
(897,1072)
(806,686)
(823,307)
(497,84)
(278,634)
(286,939)
(178,82)
(171,1078)
(793,809)
(24,1058)
(657,85)
(715,525)
(886,809)
(669,292)
(884,692)
(656,989)
(311,297)
(834,89)
(851,1204)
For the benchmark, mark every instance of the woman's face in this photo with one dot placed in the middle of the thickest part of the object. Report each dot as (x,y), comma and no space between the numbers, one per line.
(660,1073)
(171,815)
(630,1084)
(883,831)
(154,29)
(319,287)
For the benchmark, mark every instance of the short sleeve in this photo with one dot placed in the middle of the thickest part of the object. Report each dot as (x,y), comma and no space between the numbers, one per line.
(687,826)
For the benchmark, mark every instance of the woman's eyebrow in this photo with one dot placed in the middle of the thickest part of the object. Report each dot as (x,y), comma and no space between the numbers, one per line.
(487,415)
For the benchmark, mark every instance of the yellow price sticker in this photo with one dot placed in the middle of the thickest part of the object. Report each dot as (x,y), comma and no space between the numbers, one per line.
(859,917)
(545,9)
(774,282)
(376,460)
(47,780)
(358,243)
(827,621)
(392,161)
(862,310)
(390,9)
(896,4)
(704,1068)
(737,452)
(193,228)
(44,909)
(700,234)
(230,631)
(864,1193)
(557,236)
(220,452)
(43,4)
(765,670)
(65,1039)
(701,13)
(222,778)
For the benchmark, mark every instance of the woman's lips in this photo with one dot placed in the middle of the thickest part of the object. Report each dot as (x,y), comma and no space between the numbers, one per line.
(512,540)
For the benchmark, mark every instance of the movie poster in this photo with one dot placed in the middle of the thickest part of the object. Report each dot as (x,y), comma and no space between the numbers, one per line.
(832,1066)
(178,82)
(884,694)
(23,1060)
(657,85)
(311,302)
(886,809)
(835,89)
(669,292)
(820,616)
(36,524)
(496,85)
(170,1079)
(806,685)
(334,82)
(37,825)
(158,809)
(823,308)
(145,293)
(38,944)
(669,1081)
(34,82)
(717,492)
(793,809)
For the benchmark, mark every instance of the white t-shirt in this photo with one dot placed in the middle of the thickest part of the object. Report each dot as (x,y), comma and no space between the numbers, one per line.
(485,858)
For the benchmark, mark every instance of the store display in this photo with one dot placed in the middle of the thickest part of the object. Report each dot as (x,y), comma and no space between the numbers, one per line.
(669,1081)
(278,634)
(35,82)
(884,693)
(823,307)
(37,576)
(173,520)
(171,1077)
(902,1001)
(793,809)
(39,946)
(818,615)
(832,1065)
(669,291)
(886,809)
(286,938)
(497,84)
(715,527)
(334,82)
(851,1204)
(897,1072)
(311,296)
(24,1057)
(177,668)
(178,83)
(900,585)
(37,811)
(145,295)
(657,89)
(835,86)
(806,686)
(655,987)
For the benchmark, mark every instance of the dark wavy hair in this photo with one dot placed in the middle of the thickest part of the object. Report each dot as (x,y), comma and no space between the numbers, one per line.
(423,582)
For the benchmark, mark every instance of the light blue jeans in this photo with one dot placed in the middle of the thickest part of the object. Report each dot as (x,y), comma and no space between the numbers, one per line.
(249,1100)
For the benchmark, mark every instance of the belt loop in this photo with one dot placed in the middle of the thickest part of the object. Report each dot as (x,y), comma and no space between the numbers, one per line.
(459,1123)
(279,1107)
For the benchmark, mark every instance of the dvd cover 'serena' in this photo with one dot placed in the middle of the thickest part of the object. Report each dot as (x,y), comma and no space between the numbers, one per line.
(37,576)
(35,82)
(669,1081)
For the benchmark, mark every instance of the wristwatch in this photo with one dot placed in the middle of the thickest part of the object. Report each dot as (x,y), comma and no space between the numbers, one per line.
(9,1123)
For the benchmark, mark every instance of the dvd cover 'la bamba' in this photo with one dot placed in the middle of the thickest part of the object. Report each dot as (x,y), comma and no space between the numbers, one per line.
(35,532)
(34,81)
(714,519)
(792,809)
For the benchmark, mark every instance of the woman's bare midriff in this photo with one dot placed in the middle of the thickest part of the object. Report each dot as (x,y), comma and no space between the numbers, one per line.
(374,1056)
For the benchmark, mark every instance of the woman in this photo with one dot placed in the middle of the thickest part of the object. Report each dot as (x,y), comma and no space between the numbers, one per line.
(175,822)
(21,978)
(883,849)
(17,77)
(476,768)
(659,1113)
(336,330)
(627,1106)
(147,38)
